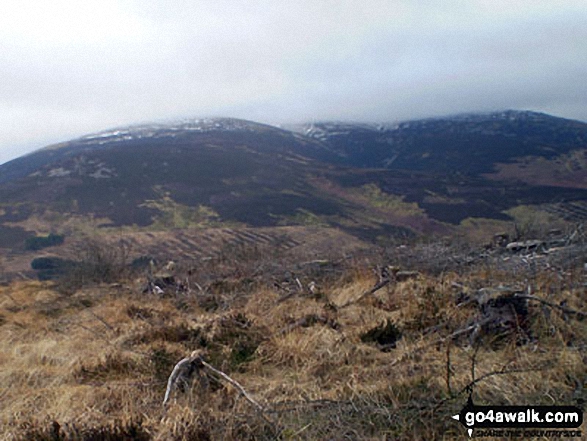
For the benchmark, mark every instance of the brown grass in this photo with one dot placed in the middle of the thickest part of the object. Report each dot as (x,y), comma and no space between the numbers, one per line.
(95,363)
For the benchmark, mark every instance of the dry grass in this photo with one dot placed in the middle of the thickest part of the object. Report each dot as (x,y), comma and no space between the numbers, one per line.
(96,362)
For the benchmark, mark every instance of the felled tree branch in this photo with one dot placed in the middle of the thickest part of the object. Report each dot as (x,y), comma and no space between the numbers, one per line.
(387,275)
(373,290)
(502,371)
(564,309)
(182,373)
(186,367)
(234,383)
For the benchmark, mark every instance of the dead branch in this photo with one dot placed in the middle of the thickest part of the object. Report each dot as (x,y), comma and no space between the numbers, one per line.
(287,296)
(373,290)
(236,385)
(465,330)
(470,385)
(182,372)
(468,329)
(502,371)
(386,275)
(564,309)
(448,369)
(300,286)
(186,367)
(101,320)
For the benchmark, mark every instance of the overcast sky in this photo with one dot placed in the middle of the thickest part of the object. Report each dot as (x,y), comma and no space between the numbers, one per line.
(71,67)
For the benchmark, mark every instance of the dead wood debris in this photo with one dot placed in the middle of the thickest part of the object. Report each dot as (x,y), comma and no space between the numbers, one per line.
(387,275)
(580,314)
(185,369)
(503,310)
(164,281)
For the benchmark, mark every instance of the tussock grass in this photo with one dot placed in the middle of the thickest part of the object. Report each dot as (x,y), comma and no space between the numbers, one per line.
(93,364)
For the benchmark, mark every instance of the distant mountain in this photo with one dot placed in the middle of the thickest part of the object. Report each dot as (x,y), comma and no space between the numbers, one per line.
(265,139)
(469,143)
(239,169)
(372,181)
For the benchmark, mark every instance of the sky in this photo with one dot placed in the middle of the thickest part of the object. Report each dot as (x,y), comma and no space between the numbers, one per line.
(72,67)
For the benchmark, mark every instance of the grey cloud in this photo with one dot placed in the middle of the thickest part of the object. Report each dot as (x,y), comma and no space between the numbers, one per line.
(117,62)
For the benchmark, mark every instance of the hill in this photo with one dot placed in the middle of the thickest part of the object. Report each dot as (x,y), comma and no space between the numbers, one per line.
(464,144)
(113,174)
(349,298)
(470,175)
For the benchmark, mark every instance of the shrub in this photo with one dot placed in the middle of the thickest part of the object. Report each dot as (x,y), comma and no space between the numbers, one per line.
(39,242)
(94,263)
(141,262)
(51,268)
(100,263)
(46,263)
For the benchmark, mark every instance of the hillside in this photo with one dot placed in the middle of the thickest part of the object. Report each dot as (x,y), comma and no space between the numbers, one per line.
(334,283)
(441,177)
(463,144)
(325,353)
(225,164)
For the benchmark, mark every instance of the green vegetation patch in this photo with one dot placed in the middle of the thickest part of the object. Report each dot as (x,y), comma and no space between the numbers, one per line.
(533,221)
(175,215)
(302,217)
(389,202)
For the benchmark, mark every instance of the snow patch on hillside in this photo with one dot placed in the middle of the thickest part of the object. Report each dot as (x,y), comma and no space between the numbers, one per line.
(171,130)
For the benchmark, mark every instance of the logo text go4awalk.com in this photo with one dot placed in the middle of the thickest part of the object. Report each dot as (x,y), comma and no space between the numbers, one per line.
(519,417)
